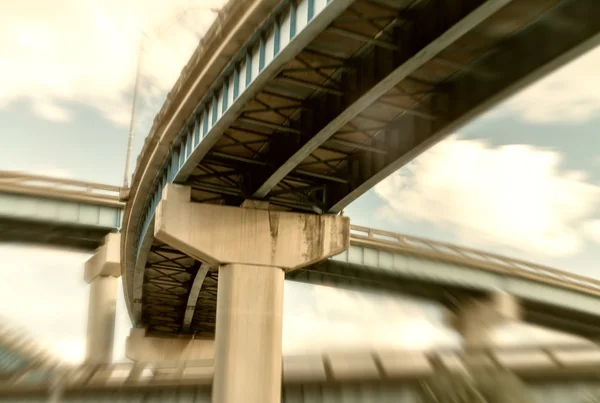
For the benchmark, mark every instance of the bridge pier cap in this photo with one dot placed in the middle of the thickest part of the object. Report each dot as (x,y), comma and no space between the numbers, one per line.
(101,273)
(106,260)
(251,235)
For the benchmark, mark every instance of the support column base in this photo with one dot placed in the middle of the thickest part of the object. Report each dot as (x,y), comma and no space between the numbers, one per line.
(248,360)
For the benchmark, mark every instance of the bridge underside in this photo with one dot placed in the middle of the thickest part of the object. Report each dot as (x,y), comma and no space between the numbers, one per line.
(66,217)
(48,233)
(168,281)
(384,82)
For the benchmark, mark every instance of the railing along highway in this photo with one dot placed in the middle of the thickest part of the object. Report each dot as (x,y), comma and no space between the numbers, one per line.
(58,188)
(379,239)
(531,363)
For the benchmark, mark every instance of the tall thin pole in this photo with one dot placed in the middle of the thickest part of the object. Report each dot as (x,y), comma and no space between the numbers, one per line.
(127,173)
(132,121)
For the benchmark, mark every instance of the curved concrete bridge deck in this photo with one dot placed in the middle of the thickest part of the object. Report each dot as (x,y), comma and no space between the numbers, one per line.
(307,104)
(62,212)
(554,373)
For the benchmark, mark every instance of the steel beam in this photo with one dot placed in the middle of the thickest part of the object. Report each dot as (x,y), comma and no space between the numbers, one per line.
(268,125)
(449,24)
(308,84)
(193,296)
(360,146)
(363,38)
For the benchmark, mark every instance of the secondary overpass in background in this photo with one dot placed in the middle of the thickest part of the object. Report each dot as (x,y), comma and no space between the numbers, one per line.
(60,212)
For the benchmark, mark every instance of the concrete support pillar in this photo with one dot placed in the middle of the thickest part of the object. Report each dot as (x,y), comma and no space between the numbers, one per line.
(253,247)
(249,331)
(101,273)
(477,320)
(101,320)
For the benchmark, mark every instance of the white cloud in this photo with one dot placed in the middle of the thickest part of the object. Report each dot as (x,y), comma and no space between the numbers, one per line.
(592,230)
(42,291)
(53,54)
(335,319)
(70,350)
(49,111)
(569,95)
(511,195)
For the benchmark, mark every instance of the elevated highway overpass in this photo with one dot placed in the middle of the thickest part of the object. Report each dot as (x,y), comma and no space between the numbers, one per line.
(291,110)
(62,212)
(305,105)
(554,374)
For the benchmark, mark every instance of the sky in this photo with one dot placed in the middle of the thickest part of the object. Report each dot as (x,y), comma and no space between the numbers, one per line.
(521,180)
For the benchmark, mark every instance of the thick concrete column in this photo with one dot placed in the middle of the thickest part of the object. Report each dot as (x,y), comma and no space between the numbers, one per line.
(249,330)
(478,320)
(253,247)
(101,273)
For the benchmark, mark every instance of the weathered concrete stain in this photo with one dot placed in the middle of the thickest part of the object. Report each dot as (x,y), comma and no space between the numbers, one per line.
(274,228)
(312,225)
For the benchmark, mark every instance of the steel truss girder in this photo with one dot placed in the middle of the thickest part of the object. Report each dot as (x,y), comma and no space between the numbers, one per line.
(230,195)
(431,29)
(225,177)
(361,37)
(313,179)
(470,94)
(302,83)
(173,286)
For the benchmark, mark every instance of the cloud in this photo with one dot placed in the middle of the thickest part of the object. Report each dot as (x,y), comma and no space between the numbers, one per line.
(42,291)
(569,95)
(73,51)
(333,319)
(592,230)
(70,350)
(511,195)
